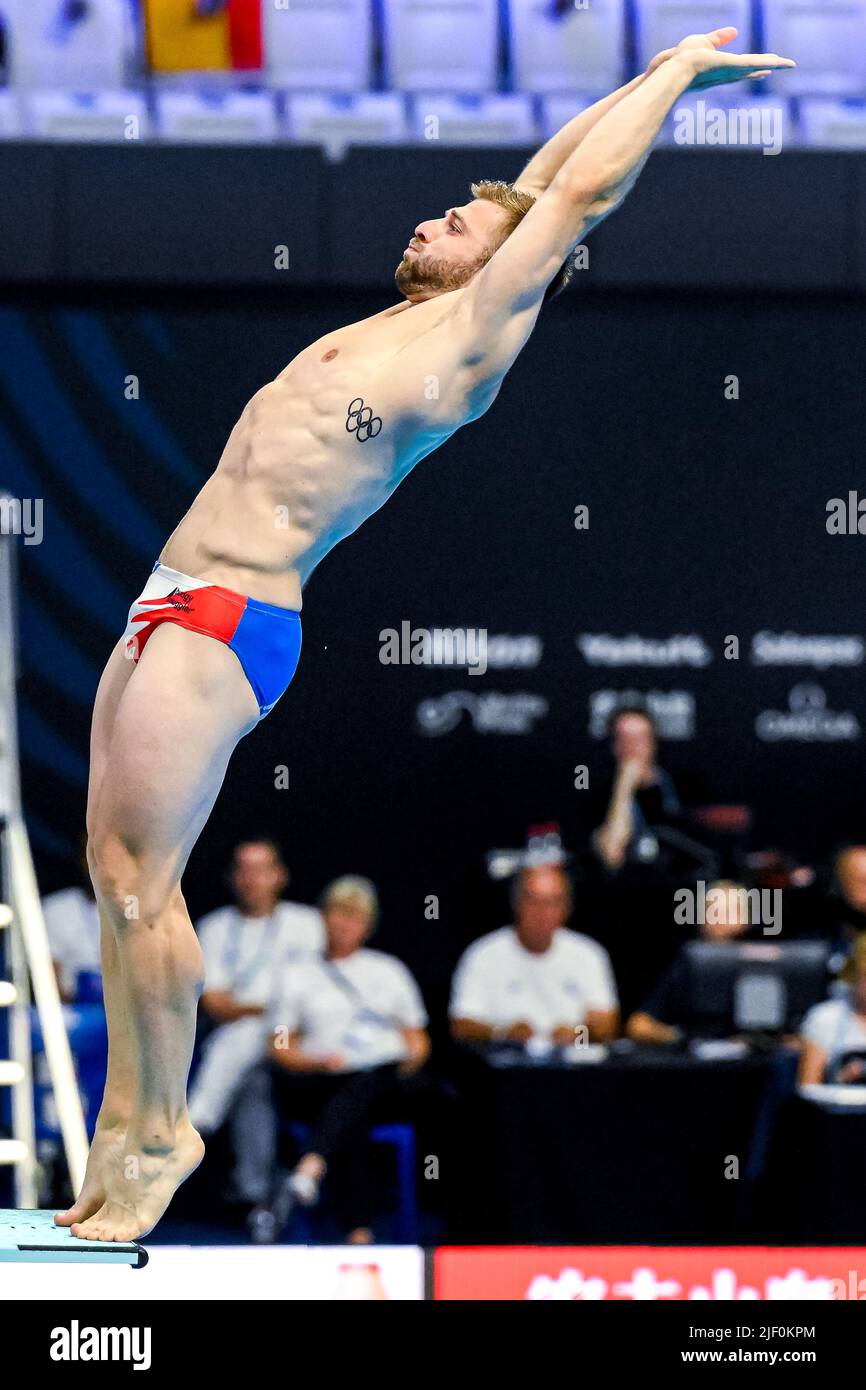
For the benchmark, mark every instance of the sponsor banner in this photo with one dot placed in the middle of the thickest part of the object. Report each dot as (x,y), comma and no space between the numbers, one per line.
(649,1274)
(603,649)
(807,720)
(178,1273)
(490,713)
(794,649)
(672,710)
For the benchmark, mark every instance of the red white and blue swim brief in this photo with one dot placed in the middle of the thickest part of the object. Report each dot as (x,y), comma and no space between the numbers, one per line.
(266,640)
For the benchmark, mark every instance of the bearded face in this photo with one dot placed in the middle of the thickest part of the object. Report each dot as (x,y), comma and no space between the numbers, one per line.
(424,273)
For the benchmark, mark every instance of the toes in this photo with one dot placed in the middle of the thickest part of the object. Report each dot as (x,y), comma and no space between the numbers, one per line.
(79,1211)
(108,1225)
(92,1228)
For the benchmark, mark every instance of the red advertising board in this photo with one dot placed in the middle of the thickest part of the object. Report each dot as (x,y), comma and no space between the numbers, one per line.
(649,1273)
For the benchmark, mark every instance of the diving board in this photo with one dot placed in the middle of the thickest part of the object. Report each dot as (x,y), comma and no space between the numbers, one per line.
(31,1237)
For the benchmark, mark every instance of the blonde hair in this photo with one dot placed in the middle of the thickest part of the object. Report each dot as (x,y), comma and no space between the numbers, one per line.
(855,965)
(515,203)
(351,891)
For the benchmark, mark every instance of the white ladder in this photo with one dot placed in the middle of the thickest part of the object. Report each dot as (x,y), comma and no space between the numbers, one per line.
(27,953)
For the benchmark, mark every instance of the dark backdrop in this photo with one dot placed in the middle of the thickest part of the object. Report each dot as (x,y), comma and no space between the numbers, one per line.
(707,517)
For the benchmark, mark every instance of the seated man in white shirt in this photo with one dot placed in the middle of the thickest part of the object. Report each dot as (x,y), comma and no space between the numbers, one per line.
(245,949)
(348,1030)
(535,981)
(834,1033)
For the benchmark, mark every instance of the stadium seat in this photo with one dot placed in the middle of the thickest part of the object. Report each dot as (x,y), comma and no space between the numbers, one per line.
(662,23)
(576,51)
(218,117)
(490,120)
(105,116)
(828,41)
(311,46)
(833,125)
(557,111)
(401,1138)
(50,49)
(10,116)
(441,45)
(377,118)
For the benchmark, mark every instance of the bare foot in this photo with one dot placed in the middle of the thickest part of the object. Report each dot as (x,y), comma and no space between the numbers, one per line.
(140,1186)
(105,1149)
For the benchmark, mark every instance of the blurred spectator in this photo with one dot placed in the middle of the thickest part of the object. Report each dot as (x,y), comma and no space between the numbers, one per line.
(349,1027)
(848,904)
(535,979)
(245,947)
(643,795)
(665,1016)
(72,923)
(834,1033)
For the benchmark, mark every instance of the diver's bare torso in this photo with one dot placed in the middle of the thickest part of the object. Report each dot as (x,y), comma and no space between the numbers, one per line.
(323,446)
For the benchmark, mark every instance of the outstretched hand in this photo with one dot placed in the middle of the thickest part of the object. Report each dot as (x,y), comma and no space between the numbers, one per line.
(716,39)
(710,68)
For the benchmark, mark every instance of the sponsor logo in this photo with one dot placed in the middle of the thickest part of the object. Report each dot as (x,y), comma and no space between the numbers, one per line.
(490,713)
(180,600)
(794,649)
(807,720)
(601,649)
(673,711)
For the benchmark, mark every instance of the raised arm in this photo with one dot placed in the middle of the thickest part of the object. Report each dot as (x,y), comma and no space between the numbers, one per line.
(543,167)
(501,304)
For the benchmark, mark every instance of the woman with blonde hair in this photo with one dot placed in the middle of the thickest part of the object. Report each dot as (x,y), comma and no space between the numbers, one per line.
(834,1033)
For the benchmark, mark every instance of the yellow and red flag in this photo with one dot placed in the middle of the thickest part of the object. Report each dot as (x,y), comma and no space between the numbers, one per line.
(180,38)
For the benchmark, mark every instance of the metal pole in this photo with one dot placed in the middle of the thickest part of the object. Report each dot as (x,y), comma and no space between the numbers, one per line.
(28,936)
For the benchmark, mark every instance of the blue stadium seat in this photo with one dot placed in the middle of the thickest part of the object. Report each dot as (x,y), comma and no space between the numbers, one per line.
(557,111)
(828,41)
(441,45)
(401,1137)
(375,118)
(662,23)
(833,125)
(576,51)
(499,119)
(310,46)
(10,116)
(100,116)
(218,117)
(49,46)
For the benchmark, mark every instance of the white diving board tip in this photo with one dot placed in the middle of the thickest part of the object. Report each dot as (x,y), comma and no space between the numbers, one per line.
(31,1237)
